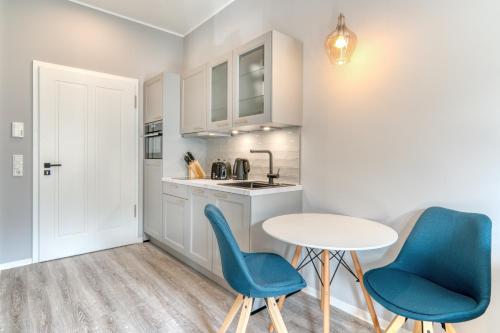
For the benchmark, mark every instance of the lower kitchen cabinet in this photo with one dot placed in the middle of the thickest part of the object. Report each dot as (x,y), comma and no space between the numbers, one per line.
(236,209)
(175,219)
(200,231)
(187,231)
(152,198)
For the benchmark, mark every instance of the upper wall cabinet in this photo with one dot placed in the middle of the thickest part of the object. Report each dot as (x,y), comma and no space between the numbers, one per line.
(268,82)
(220,93)
(258,84)
(193,109)
(153,99)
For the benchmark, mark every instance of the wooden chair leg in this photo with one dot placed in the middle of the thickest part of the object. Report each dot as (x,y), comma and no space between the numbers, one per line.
(231,314)
(275,315)
(396,324)
(449,328)
(368,299)
(281,302)
(428,327)
(245,315)
(417,328)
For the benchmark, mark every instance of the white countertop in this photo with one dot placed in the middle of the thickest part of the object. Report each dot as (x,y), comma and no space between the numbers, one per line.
(212,184)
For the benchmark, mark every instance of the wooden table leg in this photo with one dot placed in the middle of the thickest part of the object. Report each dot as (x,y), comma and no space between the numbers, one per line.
(281,302)
(368,299)
(326,291)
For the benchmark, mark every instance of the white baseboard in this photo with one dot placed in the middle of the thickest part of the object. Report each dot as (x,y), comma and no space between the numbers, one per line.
(14,264)
(350,309)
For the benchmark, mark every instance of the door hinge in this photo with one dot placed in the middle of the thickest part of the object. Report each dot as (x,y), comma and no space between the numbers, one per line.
(135,101)
(135,210)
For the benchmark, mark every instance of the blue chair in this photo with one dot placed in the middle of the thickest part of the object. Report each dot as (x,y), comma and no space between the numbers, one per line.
(252,275)
(442,274)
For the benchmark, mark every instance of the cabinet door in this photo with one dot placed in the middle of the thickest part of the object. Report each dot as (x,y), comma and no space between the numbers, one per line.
(152,198)
(174,222)
(193,114)
(252,82)
(220,106)
(200,230)
(153,99)
(236,209)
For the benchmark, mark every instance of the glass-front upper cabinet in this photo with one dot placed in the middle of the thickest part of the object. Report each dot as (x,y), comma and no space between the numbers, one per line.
(220,94)
(252,86)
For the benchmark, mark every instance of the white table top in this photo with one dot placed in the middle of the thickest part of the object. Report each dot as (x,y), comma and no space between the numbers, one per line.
(330,232)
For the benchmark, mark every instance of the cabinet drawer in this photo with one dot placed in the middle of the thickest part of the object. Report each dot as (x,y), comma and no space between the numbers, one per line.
(175,190)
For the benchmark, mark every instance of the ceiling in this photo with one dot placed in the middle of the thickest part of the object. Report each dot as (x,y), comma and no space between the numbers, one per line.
(178,17)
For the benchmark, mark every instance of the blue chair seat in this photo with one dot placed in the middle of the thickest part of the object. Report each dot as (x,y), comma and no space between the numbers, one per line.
(272,275)
(415,297)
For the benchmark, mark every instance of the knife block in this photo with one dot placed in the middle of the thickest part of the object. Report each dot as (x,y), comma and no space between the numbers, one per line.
(195,171)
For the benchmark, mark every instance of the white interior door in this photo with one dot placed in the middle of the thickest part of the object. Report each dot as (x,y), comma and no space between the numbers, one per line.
(88,125)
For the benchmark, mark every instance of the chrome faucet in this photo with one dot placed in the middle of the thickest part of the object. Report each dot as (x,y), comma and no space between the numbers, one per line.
(271,176)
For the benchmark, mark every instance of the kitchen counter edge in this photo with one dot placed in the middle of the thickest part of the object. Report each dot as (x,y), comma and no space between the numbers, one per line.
(215,185)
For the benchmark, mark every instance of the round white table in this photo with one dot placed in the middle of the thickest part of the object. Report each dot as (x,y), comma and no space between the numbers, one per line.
(332,235)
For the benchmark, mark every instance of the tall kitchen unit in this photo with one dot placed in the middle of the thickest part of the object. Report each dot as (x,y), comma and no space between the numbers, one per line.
(160,93)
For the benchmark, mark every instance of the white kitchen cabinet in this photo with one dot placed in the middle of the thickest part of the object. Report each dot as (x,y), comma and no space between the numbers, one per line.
(175,219)
(219,93)
(194,101)
(267,80)
(153,198)
(200,230)
(153,99)
(236,209)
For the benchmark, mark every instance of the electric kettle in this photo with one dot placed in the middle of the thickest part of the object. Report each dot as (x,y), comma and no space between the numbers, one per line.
(241,169)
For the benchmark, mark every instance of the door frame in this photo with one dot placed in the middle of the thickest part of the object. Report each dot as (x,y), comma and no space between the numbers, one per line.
(36,132)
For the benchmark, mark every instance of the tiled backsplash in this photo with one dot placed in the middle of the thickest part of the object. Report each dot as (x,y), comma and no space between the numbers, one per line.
(283,143)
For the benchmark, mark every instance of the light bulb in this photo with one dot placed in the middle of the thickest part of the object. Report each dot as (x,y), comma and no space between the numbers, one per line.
(341,43)
(234,132)
(266,128)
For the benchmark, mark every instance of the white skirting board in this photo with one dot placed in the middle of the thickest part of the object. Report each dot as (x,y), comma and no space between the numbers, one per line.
(364,315)
(14,264)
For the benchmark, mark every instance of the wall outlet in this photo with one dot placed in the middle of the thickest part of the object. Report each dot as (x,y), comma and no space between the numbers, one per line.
(17,165)
(17,129)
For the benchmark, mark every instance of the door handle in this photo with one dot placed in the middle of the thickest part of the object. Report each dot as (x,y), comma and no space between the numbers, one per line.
(49,165)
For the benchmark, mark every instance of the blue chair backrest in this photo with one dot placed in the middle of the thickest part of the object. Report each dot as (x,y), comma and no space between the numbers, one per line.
(234,267)
(452,249)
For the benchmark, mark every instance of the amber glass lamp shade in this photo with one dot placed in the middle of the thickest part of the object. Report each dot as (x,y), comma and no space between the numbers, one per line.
(341,43)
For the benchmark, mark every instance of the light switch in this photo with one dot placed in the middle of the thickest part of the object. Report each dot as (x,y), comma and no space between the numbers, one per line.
(17,129)
(17,165)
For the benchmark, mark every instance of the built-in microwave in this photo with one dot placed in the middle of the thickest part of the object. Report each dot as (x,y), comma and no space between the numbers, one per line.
(153,140)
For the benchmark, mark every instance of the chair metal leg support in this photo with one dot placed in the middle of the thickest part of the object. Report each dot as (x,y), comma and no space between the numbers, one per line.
(396,324)
(231,314)
(245,315)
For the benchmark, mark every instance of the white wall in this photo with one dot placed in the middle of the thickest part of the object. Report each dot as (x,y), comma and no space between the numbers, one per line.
(68,34)
(411,122)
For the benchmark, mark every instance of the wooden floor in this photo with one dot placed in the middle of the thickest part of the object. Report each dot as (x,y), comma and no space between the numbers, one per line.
(135,288)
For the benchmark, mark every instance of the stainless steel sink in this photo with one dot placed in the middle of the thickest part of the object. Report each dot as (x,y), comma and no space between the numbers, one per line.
(254,185)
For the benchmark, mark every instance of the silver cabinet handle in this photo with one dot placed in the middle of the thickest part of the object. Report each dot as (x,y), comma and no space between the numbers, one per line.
(198,128)
(199,191)
(222,124)
(241,121)
(173,186)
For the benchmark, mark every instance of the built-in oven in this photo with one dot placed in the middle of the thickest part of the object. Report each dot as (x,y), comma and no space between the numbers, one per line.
(153,140)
